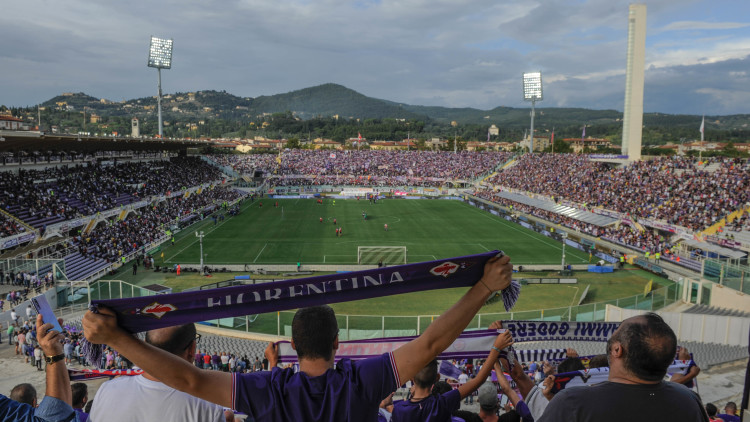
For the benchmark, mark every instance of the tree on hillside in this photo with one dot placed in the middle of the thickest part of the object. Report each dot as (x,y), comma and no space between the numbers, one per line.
(292,143)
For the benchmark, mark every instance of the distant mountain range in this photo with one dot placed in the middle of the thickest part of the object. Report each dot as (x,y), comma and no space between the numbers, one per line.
(336,100)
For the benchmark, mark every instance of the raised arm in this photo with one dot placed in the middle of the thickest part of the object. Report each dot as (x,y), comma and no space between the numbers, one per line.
(502,341)
(58,382)
(505,386)
(413,356)
(56,405)
(213,386)
(522,380)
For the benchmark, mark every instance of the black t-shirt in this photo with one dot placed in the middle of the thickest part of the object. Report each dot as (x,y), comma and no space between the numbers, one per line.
(613,402)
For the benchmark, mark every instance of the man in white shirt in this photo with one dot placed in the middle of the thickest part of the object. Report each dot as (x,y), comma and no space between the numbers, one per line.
(463,379)
(143,397)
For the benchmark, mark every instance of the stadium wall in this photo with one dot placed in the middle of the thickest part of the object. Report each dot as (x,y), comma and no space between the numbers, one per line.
(700,328)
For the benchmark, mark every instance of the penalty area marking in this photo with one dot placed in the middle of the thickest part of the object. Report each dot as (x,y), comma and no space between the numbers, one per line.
(574,295)
(434,258)
(261,251)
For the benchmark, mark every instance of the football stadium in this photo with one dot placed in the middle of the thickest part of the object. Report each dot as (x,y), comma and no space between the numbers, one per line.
(207,224)
(239,261)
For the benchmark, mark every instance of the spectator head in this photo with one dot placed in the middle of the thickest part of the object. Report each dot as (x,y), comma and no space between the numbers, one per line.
(488,398)
(731,408)
(599,361)
(24,393)
(428,376)
(315,333)
(711,410)
(441,387)
(570,365)
(643,346)
(511,416)
(178,340)
(80,394)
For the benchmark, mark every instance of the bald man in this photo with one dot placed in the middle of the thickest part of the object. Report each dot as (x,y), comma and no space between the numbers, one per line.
(639,353)
(143,397)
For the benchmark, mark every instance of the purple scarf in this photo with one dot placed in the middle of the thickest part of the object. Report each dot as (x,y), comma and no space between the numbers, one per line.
(139,314)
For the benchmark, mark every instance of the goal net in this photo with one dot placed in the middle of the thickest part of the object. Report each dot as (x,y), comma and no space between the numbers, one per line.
(388,255)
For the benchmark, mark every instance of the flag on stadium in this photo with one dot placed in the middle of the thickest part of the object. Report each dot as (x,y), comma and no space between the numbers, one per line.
(488,136)
(648,288)
(359,136)
(552,137)
(703,124)
(583,135)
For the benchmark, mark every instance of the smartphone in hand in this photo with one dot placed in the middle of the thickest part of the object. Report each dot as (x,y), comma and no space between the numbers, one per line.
(42,307)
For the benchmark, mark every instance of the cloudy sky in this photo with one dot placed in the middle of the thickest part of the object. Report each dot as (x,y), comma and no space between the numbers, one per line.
(455,53)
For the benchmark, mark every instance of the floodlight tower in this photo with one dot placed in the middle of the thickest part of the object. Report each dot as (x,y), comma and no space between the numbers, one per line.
(632,119)
(160,57)
(532,91)
(200,237)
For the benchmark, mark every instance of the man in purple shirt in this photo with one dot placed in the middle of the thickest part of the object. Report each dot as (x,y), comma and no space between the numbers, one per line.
(350,391)
(730,413)
(426,406)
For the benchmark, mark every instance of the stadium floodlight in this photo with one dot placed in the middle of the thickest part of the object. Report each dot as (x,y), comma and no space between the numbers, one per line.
(200,236)
(160,57)
(532,91)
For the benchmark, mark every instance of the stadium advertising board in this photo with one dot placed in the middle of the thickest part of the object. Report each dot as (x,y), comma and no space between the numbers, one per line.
(16,240)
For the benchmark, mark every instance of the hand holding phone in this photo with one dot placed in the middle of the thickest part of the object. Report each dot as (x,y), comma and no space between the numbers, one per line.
(42,307)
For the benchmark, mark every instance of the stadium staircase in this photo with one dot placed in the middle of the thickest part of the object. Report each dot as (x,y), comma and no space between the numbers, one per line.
(16,219)
(719,226)
(502,166)
(226,169)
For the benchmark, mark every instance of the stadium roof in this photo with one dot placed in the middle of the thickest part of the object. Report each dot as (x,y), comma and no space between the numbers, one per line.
(710,247)
(581,215)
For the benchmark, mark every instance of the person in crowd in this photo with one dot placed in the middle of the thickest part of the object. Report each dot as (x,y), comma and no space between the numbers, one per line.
(56,405)
(688,378)
(640,351)
(24,393)
(139,398)
(80,398)
(711,410)
(350,391)
(425,406)
(730,413)
(488,402)
(518,404)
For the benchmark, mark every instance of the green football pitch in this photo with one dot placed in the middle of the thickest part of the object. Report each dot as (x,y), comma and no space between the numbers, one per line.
(293,232)
(429,229)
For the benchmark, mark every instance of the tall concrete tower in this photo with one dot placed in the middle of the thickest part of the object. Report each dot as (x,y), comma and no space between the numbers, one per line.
(136,130)
(632,122)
